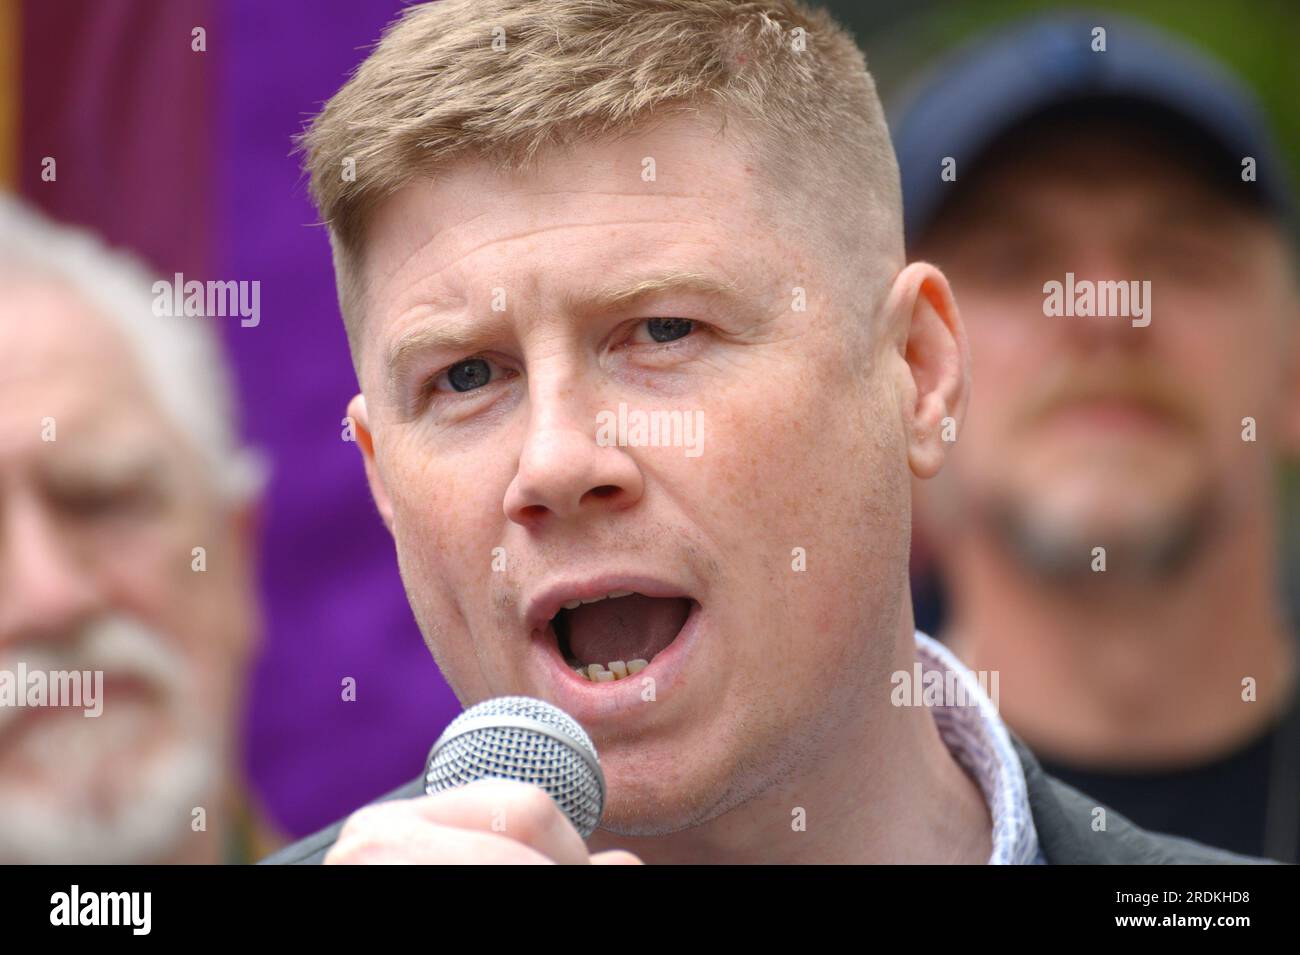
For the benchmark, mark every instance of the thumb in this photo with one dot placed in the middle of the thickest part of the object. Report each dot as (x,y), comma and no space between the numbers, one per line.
(615,857)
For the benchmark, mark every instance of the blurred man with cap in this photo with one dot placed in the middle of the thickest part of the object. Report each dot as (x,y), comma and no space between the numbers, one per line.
(1118,229)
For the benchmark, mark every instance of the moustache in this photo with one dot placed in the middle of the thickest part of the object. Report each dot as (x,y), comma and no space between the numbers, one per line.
(1143,386)
(117,646)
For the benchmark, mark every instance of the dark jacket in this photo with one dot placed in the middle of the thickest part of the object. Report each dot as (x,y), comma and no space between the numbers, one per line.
(1063,817)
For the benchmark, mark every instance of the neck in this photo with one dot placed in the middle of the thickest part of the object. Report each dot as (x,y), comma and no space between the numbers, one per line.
(1121,672)
(882,788)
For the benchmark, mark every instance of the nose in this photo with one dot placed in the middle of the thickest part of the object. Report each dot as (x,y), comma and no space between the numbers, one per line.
(1106,332)
(563,470)
(45,591)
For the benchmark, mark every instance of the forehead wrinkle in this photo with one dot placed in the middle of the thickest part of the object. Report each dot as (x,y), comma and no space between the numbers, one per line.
(520,235)
(624,195)
(694,197)
(470,251)
(396,269)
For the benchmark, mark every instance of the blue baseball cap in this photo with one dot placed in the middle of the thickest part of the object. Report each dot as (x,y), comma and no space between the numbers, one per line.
(1040,66)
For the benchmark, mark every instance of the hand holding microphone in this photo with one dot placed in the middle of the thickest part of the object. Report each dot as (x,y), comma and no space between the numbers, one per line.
(511,781)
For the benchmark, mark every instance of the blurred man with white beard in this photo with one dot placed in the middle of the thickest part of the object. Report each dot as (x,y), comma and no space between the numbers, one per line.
(118,460)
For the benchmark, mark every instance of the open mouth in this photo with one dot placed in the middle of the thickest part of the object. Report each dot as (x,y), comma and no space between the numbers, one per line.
(609,638)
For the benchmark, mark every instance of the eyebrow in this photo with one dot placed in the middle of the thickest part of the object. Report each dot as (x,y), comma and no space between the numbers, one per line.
(1220,214)
(108,465)
(618,295)
(465,337)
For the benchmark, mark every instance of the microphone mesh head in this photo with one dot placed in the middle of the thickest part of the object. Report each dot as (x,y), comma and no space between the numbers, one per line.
(517,737)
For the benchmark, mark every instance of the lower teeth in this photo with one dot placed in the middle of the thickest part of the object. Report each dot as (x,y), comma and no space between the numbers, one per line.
(616,670)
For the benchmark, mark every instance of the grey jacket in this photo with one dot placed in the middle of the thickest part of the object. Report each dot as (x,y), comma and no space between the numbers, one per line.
(1063,817)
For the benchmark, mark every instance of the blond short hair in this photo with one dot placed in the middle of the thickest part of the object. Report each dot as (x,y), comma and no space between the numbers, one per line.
(501,80)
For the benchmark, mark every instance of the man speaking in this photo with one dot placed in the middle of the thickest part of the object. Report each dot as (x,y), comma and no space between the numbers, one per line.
(546,213)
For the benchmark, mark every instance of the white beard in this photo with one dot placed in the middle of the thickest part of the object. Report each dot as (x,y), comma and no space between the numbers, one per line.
(104,796)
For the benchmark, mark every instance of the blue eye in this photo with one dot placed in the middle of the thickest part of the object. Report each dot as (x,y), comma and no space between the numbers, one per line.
(669,329)
(469,374)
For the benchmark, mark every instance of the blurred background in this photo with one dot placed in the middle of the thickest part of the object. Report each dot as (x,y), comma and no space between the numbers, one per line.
(185,157)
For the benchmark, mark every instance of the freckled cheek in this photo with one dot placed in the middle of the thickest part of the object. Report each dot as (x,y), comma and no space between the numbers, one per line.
(446,510)
(754,485)
(794,473)
(766,460)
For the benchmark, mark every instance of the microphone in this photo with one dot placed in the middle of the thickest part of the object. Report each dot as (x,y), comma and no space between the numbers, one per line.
(518,737)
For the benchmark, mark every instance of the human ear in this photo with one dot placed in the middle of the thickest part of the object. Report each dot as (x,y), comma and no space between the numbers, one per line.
(932,342)
(360,417)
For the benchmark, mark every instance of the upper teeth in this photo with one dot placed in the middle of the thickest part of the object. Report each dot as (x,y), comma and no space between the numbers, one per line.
(610,596)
